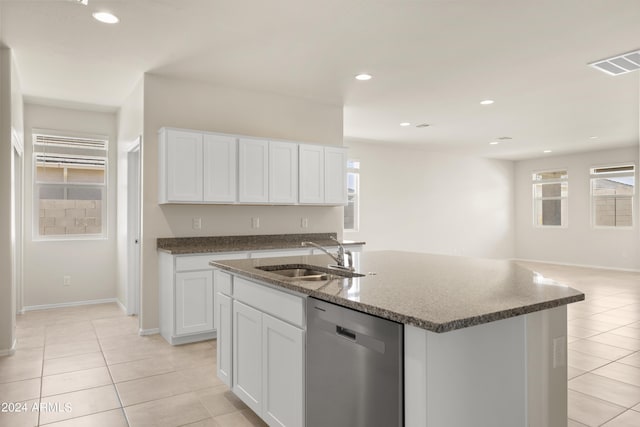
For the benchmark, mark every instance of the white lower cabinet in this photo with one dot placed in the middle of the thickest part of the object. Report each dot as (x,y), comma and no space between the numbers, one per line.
(194,302)
(224,315)
(186,299)
(282,373)
(261,356)
(188,296)
(247,355)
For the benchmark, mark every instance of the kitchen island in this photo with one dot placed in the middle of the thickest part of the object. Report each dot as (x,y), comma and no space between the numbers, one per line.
(484,340)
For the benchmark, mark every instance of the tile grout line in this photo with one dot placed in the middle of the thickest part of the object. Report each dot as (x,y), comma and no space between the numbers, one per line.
(109,372)
(44,347)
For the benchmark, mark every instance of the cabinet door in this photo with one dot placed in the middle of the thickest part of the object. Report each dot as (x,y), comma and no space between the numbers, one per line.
(283,172)
(224,339)
(253,170)
(247,355)
(194,302)
(282,373)
(220,171)
(183,166)
(311,174)
(335,176)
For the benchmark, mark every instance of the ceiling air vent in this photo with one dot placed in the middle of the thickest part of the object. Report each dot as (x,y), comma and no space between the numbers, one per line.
(620,64)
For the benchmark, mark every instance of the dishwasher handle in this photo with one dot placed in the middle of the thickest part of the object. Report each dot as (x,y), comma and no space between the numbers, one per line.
(346,333)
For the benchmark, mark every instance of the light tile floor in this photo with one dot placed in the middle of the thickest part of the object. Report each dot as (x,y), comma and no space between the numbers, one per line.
(604,345)
(87,366)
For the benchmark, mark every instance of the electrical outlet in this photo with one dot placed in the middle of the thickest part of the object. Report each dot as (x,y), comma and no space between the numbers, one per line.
(66,281)
(255,222)
(197,223)
(559,352)
(304,222)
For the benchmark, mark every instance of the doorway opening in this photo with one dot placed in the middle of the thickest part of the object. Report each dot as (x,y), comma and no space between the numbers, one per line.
(133,228)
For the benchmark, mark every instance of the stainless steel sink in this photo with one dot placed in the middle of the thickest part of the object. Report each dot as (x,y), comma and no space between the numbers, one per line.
(308,272)
(302,273)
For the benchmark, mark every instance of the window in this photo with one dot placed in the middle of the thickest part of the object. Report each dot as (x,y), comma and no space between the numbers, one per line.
(612,191)
(70,176)
(550,190)
(352,210)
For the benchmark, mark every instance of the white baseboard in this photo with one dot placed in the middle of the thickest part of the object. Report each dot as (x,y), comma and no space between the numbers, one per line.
(143,332)
(122,307)
(69,304)
(11,351)
(568,264)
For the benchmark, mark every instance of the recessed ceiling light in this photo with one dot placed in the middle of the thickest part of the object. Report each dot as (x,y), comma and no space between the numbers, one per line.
(494,143)
(364,76)
(593,137)
(404,124)
(106,17)
(547,151)
(487,102)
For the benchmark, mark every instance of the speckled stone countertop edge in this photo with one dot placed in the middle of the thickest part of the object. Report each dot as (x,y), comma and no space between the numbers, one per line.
(219,244)
(294,285)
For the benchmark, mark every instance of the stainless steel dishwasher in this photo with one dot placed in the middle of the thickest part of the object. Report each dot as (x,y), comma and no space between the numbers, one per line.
(354,368)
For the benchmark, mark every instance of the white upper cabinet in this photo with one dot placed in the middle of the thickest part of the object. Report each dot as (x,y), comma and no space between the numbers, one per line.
(220,168)
(335,176)
(180,166)
(283,172)
(208,168)
(323,175)
(253,170)
(311,174)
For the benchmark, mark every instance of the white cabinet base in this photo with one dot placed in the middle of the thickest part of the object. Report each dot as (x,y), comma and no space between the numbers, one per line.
(499,373)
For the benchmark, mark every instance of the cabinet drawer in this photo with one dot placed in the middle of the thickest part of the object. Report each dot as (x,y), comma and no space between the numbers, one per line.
(287,307)
(201,262)
(223,282)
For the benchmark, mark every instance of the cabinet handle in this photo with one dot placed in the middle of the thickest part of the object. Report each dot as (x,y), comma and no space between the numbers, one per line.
(347,333)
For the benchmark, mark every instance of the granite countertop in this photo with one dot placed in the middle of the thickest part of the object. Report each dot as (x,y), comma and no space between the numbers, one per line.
(210,244)
(434,292)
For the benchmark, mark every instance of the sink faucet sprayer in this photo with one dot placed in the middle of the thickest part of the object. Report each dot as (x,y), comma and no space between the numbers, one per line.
(339,258)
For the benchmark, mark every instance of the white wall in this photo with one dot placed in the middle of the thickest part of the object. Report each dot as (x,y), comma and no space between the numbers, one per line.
(579,243)
(130,127)
(91,264)
(425,201)
(193,105)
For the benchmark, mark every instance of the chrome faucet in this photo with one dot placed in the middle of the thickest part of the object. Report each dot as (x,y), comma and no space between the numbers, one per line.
(339,258)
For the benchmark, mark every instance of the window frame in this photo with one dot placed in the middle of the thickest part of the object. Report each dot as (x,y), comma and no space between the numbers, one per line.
(593,175)
(356,208)
(36,185)
(564,200)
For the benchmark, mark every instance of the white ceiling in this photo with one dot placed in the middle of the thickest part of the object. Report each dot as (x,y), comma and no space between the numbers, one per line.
(433,61)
